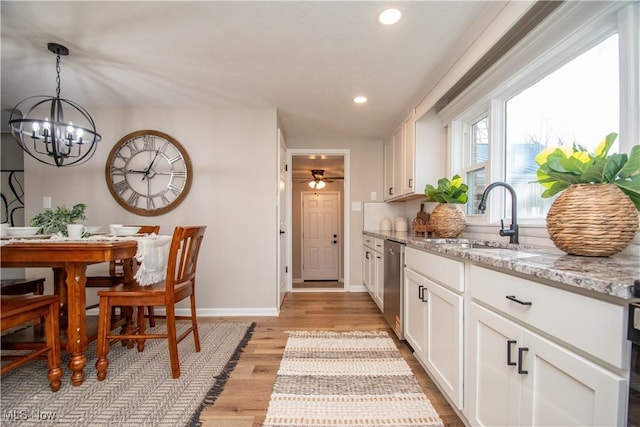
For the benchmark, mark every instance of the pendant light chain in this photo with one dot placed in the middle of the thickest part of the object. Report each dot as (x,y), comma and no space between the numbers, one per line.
(58,75)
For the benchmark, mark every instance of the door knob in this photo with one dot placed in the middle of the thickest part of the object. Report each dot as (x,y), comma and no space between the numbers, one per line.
(281,231)
(335,242)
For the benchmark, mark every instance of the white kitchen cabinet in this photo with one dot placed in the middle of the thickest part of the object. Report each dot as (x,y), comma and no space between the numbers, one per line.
(408,155)
(378,289)
(367,258)
(433,319)
(518,376)
(393,164)
(414,156)
(415,311)
(373,268)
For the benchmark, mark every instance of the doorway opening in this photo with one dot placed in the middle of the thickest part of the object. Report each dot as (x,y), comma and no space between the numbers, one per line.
(318,226)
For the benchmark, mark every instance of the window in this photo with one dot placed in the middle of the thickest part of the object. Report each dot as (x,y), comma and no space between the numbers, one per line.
(476,156)
(577,103)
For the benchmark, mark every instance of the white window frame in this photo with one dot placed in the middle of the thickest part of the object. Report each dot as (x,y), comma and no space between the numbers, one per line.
(575,28)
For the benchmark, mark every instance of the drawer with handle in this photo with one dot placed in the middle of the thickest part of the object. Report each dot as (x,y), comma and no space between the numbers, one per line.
(589,324)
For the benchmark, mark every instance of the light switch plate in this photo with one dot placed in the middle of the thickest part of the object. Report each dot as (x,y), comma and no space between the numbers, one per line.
(46,202)
(356,206)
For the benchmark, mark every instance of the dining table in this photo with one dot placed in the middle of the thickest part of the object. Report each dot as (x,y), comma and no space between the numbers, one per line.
(69,260)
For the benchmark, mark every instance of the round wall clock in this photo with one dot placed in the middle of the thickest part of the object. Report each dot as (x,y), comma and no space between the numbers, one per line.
(148,172)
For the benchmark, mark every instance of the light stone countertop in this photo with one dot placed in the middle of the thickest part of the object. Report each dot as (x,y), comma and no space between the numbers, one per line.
(599,276)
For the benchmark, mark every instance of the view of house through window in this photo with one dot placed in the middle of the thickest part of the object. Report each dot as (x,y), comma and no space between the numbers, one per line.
(578,103)
(478,154)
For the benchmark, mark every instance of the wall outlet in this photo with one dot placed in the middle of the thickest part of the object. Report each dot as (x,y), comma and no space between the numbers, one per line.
(374,195)
(46,202)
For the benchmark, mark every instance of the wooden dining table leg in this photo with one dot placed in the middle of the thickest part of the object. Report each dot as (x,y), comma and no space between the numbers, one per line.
(60,288)
(77,341)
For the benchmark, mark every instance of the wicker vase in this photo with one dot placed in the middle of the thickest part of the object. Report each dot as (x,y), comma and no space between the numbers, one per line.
(592,220)
(448,220)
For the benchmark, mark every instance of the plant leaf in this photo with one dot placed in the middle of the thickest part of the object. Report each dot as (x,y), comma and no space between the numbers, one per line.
(602,149)
(632,168)
(631,187)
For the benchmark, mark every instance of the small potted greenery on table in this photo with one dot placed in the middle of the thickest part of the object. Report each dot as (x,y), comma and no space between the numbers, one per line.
(52,221)
(596,212)
(447,219)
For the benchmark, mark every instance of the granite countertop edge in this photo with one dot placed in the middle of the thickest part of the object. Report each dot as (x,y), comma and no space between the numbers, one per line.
(609,276)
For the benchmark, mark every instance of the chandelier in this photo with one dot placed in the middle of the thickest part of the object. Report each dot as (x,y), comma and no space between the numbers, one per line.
(41,128)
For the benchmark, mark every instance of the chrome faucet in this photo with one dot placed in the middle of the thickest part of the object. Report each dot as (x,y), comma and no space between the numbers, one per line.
(512,231)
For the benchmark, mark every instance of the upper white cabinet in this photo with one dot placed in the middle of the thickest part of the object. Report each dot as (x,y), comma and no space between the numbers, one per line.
(393,164)
(414,156)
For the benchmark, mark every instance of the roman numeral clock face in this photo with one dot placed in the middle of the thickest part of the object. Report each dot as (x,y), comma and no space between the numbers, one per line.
(148,172)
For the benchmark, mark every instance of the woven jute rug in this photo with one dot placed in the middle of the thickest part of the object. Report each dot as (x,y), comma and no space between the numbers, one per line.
(346,379)
(138,390)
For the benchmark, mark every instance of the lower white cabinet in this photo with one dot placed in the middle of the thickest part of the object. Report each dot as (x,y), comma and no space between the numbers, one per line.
(367,261)
(433,328)
(517,377)
(373,268)
(378,287)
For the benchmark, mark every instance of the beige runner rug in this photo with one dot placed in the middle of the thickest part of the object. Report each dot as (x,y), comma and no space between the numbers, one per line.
(346,379)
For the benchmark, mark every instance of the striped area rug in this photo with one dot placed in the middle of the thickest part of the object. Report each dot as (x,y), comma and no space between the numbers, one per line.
(346,379)
(138,390)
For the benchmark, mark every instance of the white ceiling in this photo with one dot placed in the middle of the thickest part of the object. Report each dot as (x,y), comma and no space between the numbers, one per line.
(308,59)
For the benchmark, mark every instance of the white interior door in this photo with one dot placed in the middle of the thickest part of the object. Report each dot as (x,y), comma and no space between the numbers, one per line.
(320,236)
(282,220)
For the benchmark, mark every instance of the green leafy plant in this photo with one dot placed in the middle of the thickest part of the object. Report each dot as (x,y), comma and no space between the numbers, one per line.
(448,191)
(56,220)
(561,167)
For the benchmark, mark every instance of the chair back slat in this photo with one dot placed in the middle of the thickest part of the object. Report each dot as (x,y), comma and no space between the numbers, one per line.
(183,255)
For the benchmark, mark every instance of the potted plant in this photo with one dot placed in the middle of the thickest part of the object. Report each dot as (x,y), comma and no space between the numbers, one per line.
(53,221)
(447,218)
(596,212)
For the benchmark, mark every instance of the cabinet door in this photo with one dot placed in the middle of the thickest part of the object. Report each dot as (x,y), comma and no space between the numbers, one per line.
(492,383)
(389,185)
(444,340)
(379,279)
(398,161)
(408,143)
(562,388)
(367,257)
(415,312)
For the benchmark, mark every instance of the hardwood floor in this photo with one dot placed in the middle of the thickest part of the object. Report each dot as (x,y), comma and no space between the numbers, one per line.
(318,285)
(245,398)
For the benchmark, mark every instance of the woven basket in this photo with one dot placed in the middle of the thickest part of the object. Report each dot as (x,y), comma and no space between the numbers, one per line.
(592,220)
(448,220)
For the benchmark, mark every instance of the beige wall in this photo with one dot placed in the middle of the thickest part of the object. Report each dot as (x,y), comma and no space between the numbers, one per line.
(366,160)
(234,194)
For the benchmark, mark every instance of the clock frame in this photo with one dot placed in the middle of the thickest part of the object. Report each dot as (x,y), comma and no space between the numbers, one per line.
(148,172)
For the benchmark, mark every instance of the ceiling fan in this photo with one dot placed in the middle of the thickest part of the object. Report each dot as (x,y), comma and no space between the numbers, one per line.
(318,180)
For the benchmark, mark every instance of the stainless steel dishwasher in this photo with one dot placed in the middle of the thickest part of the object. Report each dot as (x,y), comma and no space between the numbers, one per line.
(393,278)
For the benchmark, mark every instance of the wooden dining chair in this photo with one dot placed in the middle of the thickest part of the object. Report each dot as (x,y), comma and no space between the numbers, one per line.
(16,310)
(179,284)
(116,272)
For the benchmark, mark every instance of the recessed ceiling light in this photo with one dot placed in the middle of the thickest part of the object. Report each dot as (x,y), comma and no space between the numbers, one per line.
(389,16)
(360,99)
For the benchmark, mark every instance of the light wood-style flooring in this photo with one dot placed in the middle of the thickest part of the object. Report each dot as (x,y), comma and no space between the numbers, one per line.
(245,397)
